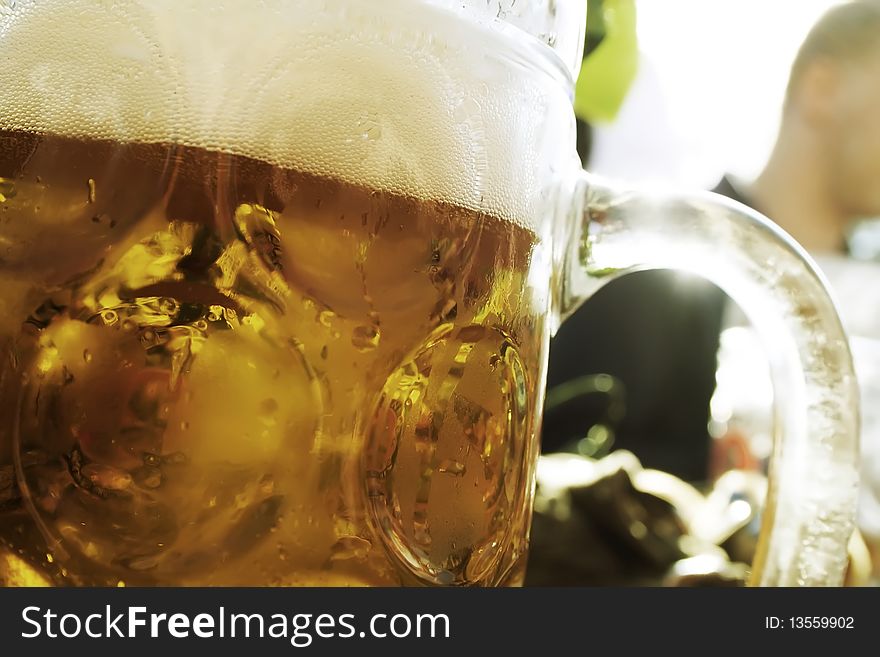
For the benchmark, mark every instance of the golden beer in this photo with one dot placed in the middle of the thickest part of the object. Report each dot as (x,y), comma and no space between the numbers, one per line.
(219,371)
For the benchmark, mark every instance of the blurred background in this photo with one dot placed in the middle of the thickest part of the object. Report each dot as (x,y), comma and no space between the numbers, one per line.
(659,413)
(707,96)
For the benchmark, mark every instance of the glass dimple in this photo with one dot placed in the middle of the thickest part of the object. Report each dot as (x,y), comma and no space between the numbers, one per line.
(439,460)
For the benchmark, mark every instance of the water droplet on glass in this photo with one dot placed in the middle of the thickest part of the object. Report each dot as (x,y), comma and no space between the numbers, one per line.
(449,466)
(467,110)
(267,486)
(148,338)
(7,189)
(91,185)
(325,317)
(106,476)
(109,317)
(369,128)
(365,338)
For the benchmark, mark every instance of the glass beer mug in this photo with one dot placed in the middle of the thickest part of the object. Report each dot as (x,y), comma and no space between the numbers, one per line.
(277,283)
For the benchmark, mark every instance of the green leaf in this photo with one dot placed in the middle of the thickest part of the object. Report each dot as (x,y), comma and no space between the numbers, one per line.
(608,70)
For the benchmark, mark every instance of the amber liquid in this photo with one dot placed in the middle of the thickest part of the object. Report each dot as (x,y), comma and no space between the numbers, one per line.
(214,371)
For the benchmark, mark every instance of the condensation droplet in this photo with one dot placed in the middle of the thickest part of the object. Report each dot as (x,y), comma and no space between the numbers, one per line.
(109,317)
(365,338)
(369,128)
(150,478)
(267,486)
(107,476)
(325,317)
(449,466)
(91,185)
(87,356)
(467,111)
(148,338)
(7,189)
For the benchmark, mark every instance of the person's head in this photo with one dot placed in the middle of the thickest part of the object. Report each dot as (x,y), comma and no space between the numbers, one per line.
(834,90)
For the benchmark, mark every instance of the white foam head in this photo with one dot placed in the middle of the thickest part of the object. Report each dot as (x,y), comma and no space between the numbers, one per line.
(420,102)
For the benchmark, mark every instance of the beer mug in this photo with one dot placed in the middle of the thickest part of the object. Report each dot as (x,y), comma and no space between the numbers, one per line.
(277,284)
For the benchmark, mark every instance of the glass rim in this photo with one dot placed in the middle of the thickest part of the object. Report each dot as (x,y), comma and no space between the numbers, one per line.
(558,24)
(520,47)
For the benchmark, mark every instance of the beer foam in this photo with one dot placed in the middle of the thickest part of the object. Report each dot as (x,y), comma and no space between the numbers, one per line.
(388,95)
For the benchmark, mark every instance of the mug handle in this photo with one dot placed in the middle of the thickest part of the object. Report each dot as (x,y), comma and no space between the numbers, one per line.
(813,480)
